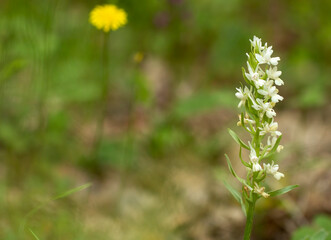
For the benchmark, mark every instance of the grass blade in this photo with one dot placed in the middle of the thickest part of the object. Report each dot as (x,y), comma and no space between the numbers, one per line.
(65,194)
(33,234)
(71,191)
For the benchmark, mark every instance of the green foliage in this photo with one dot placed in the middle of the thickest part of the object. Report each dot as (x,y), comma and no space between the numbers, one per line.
(236,195)
(72,191)
(319,230)
(234,173)
(312,97)
(237,139)
(274,148)
(204,101)
(33,234)
(50,91)
(120,154)
(282,190)
(167,138)
(62,195)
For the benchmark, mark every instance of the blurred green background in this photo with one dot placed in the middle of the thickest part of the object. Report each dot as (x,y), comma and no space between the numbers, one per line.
(156,171)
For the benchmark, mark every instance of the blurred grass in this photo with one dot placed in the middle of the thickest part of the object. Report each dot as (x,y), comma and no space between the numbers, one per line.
(173,106)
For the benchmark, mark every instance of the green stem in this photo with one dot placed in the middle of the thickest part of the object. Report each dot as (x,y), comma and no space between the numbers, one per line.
(105,92)
(249,220)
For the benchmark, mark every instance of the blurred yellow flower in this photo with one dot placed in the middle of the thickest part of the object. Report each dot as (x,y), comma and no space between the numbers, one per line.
(138,57)
(108,17)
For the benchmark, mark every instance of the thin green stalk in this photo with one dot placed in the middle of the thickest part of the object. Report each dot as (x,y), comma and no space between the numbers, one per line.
(105,92)
(249,220)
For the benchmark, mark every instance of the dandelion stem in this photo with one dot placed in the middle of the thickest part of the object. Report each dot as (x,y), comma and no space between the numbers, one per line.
(105,92)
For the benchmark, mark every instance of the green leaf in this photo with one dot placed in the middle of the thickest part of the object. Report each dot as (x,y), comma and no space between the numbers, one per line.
(273,150)
(282,190)
(323,221)
(276,143)
(233,191)
(241,159)
(253,61)
(303,233)
(243,72)
(320,235)
(230,166)
(234,173)
(244,76)
(236,195)
(33,234)
(237,139)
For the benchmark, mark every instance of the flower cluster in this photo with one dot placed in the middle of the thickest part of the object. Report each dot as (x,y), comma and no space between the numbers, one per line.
(259,99)
(108,17)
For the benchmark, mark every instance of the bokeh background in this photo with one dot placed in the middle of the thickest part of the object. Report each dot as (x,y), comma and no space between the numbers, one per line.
(157,171)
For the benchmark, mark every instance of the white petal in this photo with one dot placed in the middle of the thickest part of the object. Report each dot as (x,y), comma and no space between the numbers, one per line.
(270,113)
(262,92)
(278,175)
(276,98)
(278,133)
(259,58)
(256,167)
(239,95)
(274,60)
(259,83)
(248,76)
(277,74)
(279,82)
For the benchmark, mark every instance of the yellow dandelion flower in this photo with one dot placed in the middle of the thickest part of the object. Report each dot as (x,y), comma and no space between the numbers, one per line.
(108,17)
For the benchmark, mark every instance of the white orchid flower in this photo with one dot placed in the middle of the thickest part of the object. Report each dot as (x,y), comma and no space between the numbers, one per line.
(273,169)
(273,73)
(271,92)
(270,128)
(256,167)
(265,57)
(243,95)
(271,141)
(264,107)
(256,43)
(254,76)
